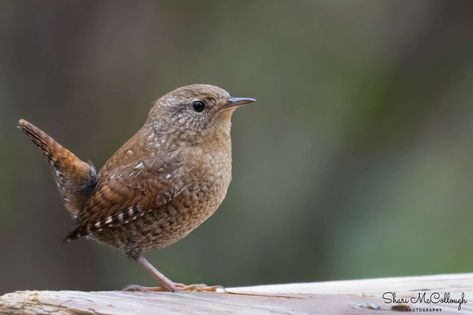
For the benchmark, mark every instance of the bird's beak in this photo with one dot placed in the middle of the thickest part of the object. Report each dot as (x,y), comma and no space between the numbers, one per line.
(238,101)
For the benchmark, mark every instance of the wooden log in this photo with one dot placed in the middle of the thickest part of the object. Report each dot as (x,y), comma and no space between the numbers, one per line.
(334,297)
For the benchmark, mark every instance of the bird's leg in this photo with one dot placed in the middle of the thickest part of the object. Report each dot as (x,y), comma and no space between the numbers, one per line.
(167,285)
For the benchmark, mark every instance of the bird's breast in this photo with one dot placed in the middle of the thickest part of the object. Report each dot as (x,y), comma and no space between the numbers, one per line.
(213,172)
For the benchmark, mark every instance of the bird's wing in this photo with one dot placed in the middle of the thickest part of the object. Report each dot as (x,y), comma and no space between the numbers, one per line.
(129,192)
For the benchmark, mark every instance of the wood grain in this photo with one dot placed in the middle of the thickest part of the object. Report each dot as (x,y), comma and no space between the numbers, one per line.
(334,297)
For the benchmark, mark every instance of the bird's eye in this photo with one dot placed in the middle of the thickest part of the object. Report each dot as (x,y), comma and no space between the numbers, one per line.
(198,106)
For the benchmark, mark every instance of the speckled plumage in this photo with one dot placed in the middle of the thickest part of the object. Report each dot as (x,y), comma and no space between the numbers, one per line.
(161,184)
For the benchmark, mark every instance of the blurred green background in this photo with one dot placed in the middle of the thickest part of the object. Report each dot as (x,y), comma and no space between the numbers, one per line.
(355,162)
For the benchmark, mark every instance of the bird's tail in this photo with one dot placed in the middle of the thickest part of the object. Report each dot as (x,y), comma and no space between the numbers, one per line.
(75,179)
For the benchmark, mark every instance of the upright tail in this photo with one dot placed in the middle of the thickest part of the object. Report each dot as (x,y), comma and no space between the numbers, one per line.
(75,179)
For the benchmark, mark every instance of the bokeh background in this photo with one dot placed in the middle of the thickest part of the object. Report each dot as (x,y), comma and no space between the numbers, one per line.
(356,161)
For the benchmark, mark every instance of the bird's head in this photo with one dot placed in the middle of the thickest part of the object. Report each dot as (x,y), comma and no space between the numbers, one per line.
(194,112)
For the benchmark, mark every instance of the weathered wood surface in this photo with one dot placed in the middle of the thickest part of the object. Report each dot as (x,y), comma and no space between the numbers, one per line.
(335,297)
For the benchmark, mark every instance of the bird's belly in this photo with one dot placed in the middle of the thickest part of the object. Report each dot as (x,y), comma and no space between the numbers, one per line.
(171,222)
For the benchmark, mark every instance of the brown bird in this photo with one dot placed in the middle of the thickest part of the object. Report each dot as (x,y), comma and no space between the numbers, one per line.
(160,185)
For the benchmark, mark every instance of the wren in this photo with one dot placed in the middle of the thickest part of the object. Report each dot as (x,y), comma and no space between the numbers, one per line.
(160,185)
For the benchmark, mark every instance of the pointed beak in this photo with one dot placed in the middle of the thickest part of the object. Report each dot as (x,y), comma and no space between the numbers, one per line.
(239,101)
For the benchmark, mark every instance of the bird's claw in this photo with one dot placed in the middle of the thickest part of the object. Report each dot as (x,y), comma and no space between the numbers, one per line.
(139,288)
(177,287)
(199,288)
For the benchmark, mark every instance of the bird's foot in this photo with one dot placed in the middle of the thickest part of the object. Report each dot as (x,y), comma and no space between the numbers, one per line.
(176,287)
(139,288)
(199,288)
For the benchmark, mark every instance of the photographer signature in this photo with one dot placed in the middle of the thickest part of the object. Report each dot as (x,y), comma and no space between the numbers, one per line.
(425,297)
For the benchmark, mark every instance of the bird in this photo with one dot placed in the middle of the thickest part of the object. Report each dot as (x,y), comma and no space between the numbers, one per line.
(164,182)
